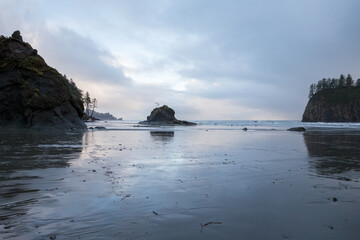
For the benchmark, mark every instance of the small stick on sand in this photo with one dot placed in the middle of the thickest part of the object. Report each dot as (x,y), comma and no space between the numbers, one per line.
(208,223)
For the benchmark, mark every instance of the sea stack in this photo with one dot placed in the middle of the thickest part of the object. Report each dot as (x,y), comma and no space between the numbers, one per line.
(34,95)
(164,116)
(334,105)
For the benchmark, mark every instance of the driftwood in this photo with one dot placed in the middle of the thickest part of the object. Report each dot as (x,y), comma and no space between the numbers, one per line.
(208,223)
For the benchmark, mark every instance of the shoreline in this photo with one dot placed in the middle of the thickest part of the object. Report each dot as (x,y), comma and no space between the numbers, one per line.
(165,128)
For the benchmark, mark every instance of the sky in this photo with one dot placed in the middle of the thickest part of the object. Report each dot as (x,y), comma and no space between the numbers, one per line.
(208,60)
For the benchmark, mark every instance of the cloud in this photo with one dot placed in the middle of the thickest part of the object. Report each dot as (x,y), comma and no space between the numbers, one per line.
(206,59)
(79,56)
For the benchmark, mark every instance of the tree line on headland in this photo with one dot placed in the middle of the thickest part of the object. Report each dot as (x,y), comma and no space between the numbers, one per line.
(89,103)
(333,83)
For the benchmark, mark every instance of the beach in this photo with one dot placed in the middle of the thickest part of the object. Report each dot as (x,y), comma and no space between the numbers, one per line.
(206,182)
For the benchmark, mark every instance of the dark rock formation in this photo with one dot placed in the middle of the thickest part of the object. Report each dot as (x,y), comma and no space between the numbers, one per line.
(334,105)
(32,94)
(100,128)
(87,118)
(164,116)
(17,35)
(297,129)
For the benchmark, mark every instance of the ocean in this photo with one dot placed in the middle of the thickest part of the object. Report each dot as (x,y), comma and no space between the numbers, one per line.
(232,125)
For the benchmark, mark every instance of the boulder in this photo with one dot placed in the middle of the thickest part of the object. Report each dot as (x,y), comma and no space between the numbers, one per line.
(297,129)
(34,95)
(17,35)
(164,116)
(100,128)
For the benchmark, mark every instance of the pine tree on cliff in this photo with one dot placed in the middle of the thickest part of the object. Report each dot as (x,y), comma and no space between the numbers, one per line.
(319,86)
(333,83)
(341,81)
(87,101)
(93,105)
(312,90)
(349,81)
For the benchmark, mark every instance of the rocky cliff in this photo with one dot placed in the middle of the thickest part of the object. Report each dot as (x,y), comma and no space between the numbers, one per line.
(334,105)
(34,95)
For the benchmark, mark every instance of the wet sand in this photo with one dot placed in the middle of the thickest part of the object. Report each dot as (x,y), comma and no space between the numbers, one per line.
(180,184)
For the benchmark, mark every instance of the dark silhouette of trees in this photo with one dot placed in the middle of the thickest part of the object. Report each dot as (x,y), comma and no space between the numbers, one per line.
(312,90)
(94,105)
(333,83)
(341,81)
(87,102)
(75,91)
(349,81)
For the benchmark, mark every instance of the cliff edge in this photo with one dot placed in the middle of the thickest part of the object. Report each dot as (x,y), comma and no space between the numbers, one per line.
(34,95)
(334,105)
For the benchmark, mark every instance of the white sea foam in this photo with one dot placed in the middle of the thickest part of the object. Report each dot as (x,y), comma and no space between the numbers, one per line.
(251,125)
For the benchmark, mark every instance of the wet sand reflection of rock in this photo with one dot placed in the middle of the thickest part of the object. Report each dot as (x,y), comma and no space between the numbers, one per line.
(31,150)
(22,155)
(164,136)
(333,153)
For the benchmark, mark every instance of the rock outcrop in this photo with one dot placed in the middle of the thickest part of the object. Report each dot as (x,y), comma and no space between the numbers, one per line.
(297,129)
(334,105)
(164,116)
(34,95)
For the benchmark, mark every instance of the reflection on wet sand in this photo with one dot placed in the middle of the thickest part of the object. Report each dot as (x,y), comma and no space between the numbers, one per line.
(333,153)
(162,135)
(153,185)
(31,150)
(22,153)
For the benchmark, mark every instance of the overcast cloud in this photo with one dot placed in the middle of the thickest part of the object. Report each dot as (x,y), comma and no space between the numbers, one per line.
(206,59)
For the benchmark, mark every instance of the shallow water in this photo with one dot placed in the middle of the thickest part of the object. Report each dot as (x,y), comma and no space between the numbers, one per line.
(163,183)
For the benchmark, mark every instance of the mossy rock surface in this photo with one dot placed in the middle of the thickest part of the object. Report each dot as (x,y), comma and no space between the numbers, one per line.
(33,94)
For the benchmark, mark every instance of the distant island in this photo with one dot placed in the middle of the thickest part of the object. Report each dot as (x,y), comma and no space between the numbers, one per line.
(334,100)
(104,116)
